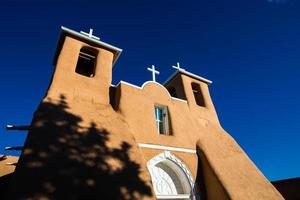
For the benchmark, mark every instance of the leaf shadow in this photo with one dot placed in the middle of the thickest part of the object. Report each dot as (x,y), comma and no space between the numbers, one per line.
(62,160)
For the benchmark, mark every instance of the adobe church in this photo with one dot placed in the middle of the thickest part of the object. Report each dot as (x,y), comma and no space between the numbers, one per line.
(90,139)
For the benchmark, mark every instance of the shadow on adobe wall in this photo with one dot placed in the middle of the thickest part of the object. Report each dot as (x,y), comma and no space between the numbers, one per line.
(200,186)
(289,188)
(4,182)
(62,160)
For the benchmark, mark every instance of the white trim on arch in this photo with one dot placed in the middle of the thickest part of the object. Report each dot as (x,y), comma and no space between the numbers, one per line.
(166,157)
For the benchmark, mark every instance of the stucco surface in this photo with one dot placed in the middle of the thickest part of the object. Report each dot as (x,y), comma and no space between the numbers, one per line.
(5,167)
(78,146)
(85,135)
(229,173)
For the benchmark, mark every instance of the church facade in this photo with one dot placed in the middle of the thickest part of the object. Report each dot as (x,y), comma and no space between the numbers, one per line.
(90,139)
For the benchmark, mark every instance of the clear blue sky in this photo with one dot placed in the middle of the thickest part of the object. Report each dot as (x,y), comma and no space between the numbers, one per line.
(249,49)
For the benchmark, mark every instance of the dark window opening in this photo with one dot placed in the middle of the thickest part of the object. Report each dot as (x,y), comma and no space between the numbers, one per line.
(86,62)
(172,92)
(198,94)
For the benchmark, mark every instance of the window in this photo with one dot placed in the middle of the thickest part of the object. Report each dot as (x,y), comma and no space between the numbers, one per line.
(162,122)
(198,94)
(86,62)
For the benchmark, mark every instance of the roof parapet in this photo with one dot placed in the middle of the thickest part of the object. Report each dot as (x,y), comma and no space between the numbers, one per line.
(66,31)
(183,71)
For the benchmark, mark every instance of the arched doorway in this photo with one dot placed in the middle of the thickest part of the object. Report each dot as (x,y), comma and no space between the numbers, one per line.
(171,178)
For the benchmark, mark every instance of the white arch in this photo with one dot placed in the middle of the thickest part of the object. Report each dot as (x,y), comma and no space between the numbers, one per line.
(153,82)
(170,177)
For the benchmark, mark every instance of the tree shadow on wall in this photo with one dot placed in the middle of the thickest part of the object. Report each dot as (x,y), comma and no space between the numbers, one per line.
(63,160)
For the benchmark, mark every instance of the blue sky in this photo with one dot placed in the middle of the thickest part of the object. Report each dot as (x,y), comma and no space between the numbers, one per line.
(249,49)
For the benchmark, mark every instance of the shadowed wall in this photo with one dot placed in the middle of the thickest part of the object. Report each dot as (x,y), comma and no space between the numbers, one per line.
(64,159)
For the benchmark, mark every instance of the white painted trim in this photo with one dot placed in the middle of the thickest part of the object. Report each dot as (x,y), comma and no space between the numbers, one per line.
(148,82)
(178,196)
(106,45)
(129,84)
(195,76)
(166,155)
(91,39)
(182,100)
(168,148)
(188,74)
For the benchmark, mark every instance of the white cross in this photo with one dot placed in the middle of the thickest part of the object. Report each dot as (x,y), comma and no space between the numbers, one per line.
(154,72)
(90,34)
(178,67)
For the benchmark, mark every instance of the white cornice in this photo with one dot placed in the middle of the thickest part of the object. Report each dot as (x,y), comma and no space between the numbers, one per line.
(168,148)
(117,50)
(147,82)
(188,74)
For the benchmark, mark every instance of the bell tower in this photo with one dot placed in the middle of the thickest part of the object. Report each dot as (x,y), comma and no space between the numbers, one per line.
(78,147)
(83,67)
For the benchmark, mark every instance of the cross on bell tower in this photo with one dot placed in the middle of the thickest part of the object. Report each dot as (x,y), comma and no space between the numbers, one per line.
(90,34)
(178,67)
(154,72)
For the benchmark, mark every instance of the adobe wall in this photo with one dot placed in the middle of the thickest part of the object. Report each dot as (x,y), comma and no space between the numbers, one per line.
(7,165)
(228,172)
(75,86)
(80,147)
(7,168)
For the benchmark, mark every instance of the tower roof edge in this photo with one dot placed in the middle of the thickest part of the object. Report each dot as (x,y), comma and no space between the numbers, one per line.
(66,31)
(182,71)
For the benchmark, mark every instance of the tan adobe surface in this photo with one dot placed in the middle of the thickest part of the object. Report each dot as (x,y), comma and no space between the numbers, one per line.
(85,135)
(7,164)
